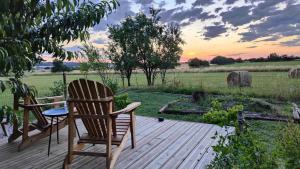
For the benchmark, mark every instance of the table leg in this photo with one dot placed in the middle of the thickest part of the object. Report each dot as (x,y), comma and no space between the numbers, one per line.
(50,136)
(57,130)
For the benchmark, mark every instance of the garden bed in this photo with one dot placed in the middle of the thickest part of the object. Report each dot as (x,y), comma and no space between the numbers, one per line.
(254,108)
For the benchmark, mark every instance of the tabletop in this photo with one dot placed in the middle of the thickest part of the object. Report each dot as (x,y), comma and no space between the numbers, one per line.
(56,112)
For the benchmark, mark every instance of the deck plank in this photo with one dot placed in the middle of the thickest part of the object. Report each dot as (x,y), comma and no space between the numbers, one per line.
(168,144)
(199,151)
(175,160)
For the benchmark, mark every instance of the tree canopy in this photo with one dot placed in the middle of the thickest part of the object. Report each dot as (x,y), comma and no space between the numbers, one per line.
(122,49)
(171,49)
(33,27)
(196,63)
(97,60)
(221,60)
(143,41)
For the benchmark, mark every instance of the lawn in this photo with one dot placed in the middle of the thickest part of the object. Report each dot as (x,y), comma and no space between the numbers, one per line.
(153,101)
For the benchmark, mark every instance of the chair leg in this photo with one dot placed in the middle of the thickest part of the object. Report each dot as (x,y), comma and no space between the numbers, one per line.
(108,143)
(49,145)
(4,129)
(108,159)
(132,130)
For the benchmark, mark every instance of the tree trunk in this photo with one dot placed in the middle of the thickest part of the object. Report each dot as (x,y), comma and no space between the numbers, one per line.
(163,76)
(153,78)
(128,81)
(150,76)
(123,81)
(148,79)
(128,76)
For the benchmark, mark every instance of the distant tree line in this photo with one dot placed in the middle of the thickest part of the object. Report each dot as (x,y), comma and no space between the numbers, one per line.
(274,57)
(222,60)
(59,66)
(196,63)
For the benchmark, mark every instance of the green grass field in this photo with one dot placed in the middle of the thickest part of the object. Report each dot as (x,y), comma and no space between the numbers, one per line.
(253,67)
(265,84)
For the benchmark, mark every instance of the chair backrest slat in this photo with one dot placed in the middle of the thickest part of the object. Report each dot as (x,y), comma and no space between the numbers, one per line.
(75,91)
(87,90)
(37,112)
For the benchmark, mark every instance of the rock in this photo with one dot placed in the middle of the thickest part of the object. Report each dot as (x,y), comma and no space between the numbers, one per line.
(239,79)
(294,73)
(198,95)
(260,105)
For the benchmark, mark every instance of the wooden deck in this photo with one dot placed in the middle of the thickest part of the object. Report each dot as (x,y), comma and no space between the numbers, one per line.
(169,144)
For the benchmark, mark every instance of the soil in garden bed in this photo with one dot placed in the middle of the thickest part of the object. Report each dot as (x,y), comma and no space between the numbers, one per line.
(188,105)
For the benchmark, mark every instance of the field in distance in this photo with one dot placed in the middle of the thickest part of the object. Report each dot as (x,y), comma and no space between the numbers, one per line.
(250,66)
(265,84)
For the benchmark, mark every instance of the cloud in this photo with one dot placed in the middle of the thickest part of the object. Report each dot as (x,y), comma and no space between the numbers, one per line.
(214,31)
(230,1)
(180,2)
(251,47)
(202,3)
(100,41)
(145,2)
(178,15)
(272,38)
(73,48)
(292,43)
(237,16)
(282,23)
(166,15)
(258,20)
(236,54)
(115,17)
(218,9)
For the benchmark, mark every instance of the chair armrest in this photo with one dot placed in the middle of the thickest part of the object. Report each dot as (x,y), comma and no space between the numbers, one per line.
(128,109)
(54,98)
(29,106)
(51,98)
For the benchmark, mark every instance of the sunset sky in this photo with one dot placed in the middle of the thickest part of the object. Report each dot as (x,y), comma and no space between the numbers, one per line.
(234,28)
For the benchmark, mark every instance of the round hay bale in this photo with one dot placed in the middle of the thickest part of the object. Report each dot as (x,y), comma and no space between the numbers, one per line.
(239,79)
(294,73)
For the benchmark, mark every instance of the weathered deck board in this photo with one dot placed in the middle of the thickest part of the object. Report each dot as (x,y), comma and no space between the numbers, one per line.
(168,144)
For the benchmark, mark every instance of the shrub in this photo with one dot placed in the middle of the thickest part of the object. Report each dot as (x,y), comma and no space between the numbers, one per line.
(121,101)
(217,115)
(6,111)
(195,62)
(58,88)
(113,85)
(84,68)
(241,151)
(289,145)
(221,60)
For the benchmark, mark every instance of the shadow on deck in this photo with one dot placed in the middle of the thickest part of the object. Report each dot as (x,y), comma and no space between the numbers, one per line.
(168,144)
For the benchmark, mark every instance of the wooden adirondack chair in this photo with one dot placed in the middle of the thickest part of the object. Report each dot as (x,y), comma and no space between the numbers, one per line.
(42,123)
(94,104)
